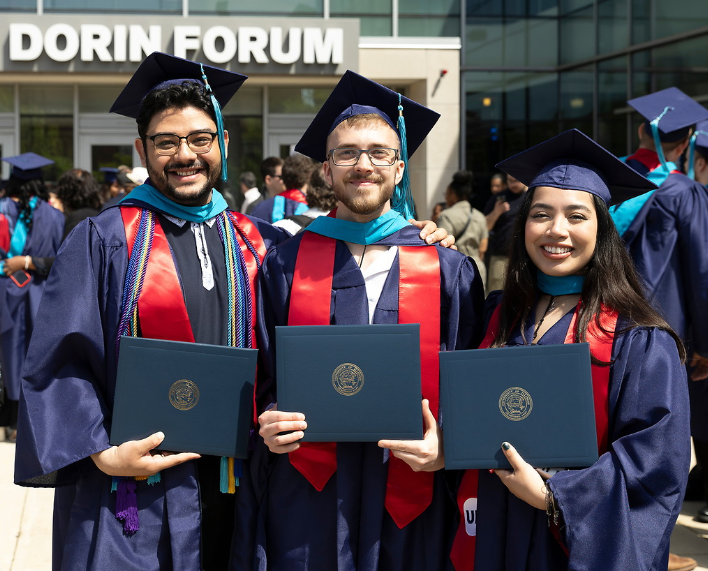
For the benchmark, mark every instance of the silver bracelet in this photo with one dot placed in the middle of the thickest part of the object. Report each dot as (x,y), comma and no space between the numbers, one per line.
(552,510)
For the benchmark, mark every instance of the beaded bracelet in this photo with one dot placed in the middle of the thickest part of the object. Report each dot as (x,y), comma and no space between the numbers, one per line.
(552,510)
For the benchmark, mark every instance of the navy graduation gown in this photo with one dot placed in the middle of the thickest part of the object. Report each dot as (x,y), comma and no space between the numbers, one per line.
(264,210)
(65,412)
(18,305)
(345,526)
(668,242)
(619,512)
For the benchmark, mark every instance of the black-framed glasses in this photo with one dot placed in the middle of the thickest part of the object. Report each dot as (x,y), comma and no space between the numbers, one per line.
(379,156)
(168,143)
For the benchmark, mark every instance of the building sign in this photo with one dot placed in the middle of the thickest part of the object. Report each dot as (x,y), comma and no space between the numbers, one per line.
(116,43)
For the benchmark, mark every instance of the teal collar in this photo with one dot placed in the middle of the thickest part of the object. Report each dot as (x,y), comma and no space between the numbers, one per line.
(150,195)
(357,232)
(559,285)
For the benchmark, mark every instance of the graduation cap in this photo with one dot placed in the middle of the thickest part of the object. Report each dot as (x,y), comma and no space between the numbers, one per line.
(357,95)
(671,110)
(160,70)
(699,140)
(110,174)
(28,166)
(573,161)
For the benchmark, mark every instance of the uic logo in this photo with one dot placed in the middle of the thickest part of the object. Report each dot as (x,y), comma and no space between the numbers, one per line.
(515,403)
(470,514)
(184,394)
(348,379)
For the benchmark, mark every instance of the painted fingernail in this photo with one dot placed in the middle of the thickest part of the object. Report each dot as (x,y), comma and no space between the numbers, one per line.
(491,471)
(506,445)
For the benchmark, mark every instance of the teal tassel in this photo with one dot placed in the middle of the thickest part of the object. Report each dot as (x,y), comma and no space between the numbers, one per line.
(219,126)
(154,479)
(657,140)
(114,483)
(224,476)
(402,200)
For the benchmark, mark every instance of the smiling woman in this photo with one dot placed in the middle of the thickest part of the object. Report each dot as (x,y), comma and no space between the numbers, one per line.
(571,280)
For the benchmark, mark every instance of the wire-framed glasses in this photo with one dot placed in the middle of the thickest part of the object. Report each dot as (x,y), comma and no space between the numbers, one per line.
(379,156)
(168,143)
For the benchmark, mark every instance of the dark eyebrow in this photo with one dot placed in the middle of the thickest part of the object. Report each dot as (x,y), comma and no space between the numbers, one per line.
(569,207)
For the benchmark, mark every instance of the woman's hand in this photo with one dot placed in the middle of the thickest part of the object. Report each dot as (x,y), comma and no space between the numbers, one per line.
(523,480)
(274,422)
(14,264)
(425,455)
(134,458)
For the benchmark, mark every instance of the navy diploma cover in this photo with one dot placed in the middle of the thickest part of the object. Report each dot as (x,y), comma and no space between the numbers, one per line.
(200,396)
(539,398)
(353,383)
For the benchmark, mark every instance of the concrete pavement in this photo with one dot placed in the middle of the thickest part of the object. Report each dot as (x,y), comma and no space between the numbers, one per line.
(26,524)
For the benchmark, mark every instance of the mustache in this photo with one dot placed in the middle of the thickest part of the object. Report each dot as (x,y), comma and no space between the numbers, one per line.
(186,166)
(372,177)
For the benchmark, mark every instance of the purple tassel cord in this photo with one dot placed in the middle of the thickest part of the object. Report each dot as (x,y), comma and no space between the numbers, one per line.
(127,506)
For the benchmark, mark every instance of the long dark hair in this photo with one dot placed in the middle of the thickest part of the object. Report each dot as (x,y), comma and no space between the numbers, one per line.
(461,184)
(78,189)
(23,191)
(610,281)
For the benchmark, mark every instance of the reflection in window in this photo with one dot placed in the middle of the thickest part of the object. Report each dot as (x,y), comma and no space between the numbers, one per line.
(18,5)
(270,8)
(7,99)
(423,18)
(47,126)
(245,148)
(114,6)
(294,100)
(374,15)
(98,98)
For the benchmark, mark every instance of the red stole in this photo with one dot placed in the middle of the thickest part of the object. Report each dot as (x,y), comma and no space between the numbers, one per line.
(161,307)
(4,233)
(649,159)
(408,493)
(464,546)
(294,194)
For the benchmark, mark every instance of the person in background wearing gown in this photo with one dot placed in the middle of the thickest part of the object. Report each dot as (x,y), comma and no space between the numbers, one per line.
(570,280)
(30,234)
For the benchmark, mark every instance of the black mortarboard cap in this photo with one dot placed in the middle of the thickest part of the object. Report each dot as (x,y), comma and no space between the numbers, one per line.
(110,174)
(702,135)
(573,161)
(160,69)
(28,166)
(357,95)
(676,109)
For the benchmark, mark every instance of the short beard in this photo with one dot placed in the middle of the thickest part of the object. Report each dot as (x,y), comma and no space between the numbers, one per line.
(160,181)
(364,203)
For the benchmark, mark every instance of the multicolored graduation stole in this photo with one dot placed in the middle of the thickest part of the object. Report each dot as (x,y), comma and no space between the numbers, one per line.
(408,493)
(600,340)
(154,307)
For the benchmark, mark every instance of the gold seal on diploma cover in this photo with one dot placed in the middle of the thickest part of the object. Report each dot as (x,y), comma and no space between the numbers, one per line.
(184,394)
(515,403)
(347,379)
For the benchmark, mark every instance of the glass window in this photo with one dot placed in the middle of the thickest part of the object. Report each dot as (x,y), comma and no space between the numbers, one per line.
(18,5)
(271,8)
(7,99)
(577,36)
(247,101)
(569,6)
(47,125)
(89,6)
(641,21)
(245,147)
(297,100)
(612,104)
(484,8)
(375,17)
(672,18)
(98,98)
(613,26)
(484,42)
(423,18)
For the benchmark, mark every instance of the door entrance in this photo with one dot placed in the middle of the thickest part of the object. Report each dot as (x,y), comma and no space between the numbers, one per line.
(96,151)
(7,149)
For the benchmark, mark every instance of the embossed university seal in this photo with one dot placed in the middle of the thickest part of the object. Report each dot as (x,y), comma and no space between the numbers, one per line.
(184,394)
(515,403)
(347,379)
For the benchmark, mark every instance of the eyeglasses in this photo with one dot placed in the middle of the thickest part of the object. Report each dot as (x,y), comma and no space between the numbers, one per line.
(379,156)
(169,144)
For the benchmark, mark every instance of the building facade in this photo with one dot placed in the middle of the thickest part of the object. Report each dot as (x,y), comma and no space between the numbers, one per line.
(504,74)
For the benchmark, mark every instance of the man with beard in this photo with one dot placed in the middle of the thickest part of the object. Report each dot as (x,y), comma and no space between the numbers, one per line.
(360,506)
(107,516)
